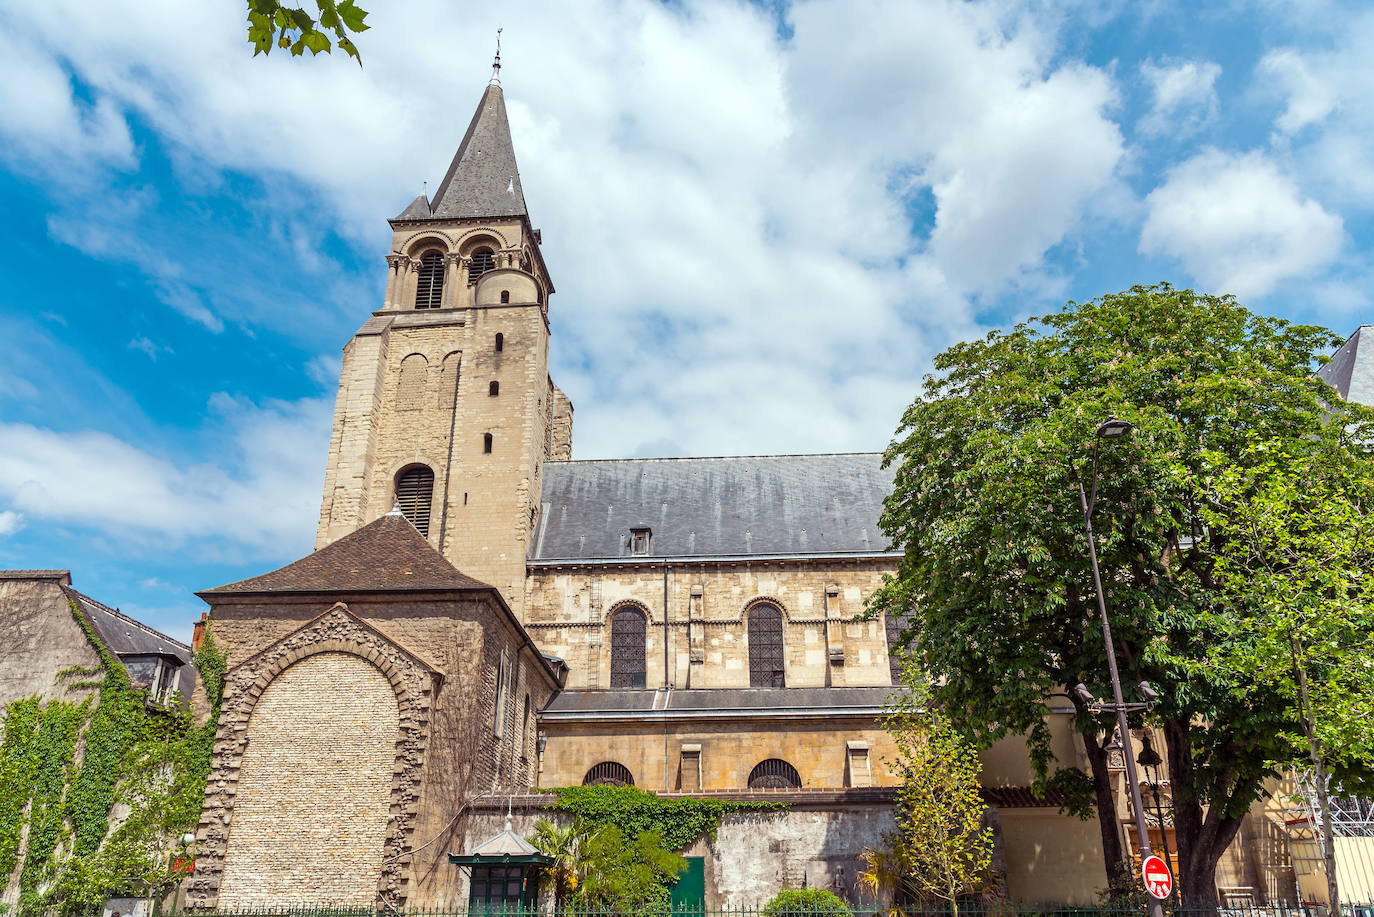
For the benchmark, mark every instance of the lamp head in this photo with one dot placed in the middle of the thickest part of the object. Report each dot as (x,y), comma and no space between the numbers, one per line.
(1112,428)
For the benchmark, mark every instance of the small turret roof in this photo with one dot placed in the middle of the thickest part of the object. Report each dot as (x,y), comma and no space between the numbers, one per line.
(387,555)
(482,180)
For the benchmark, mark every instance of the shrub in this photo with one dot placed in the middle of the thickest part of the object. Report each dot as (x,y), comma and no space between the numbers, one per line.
(805,902)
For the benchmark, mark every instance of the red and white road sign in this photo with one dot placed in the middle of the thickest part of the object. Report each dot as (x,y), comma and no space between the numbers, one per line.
(1159,882)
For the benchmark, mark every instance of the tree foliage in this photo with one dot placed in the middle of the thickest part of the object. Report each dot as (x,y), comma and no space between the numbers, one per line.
(806,902)
(274,24)
(943,847)
(599,867)
(994,574)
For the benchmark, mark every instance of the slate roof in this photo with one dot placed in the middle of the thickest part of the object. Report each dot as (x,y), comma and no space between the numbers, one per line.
(124,636)
(1351,370)
(482,180)
(713,507)
(387,555)
(773,701)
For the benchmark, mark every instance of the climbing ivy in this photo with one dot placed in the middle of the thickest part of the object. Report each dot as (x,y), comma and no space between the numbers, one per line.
(64,766)
(678,821)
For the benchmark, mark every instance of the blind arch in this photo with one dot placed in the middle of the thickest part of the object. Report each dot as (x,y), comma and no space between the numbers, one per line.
(429,284)
(629,633)
(766,669)
(414,493)
(410,389)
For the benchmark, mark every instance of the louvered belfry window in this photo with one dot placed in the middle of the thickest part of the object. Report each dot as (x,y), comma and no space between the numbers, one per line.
(482,261)
(628,632)
(414,490)
(609,773)
(774,774)
(765,647)
(429,288)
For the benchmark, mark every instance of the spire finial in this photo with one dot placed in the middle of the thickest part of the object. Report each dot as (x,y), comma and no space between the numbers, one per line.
(496,64)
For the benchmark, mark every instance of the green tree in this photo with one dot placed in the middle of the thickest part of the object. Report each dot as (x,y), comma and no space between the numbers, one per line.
(994,575)
(945,847)
(564,846)
(626,875)
(1297,535)
(274,24)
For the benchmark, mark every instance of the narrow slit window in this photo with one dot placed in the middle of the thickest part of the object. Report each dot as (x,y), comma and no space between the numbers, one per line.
(486,442)
(429,288)
(505,295)
(482,261)
(414,491)
(500,342)
(493,388)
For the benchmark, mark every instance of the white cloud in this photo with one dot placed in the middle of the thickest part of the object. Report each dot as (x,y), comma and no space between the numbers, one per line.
(1238,224)
(261,493)
(10,522)
(1309,98)
(149,347)
(1183,97)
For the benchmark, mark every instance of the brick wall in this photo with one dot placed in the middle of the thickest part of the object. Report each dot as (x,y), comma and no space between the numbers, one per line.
(314,787)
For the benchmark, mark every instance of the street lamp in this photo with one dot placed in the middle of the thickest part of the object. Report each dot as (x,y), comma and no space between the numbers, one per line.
(1151,760)
(1114,428)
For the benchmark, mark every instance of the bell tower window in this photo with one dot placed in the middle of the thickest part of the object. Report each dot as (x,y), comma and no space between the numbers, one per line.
(414,491)
(429,287)
(483,260)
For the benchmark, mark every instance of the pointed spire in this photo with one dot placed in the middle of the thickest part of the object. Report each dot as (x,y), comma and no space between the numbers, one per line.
(482,180)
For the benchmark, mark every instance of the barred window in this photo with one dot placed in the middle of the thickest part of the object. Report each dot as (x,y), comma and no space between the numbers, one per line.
(609,773)
(628,634)
(482,261)
(414,490)
(774,774)
(429,288)
(765,647)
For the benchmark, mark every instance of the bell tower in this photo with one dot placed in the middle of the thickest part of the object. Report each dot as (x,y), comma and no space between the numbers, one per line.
(445,405)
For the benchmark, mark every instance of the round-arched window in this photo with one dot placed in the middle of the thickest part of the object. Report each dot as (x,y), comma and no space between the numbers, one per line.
(628,648)
(429,285)
(774,774)
(609,773)
(414,492)
(483,260)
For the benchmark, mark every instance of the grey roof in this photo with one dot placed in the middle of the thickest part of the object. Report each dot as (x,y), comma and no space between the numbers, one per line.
(124,636)
(708,701)
(1351,370)
(791,505)
(482,180)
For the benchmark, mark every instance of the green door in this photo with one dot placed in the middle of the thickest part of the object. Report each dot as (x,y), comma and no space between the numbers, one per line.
(689,894)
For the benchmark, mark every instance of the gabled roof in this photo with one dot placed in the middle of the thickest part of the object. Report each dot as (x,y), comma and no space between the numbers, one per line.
(482,180)
(1351,370)
(387,555)
(788,505)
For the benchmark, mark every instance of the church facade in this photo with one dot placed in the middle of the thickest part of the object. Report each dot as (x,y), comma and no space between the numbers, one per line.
(485,616)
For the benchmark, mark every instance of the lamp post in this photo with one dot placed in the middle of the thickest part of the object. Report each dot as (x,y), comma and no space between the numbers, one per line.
(1151,761)
(1116,429)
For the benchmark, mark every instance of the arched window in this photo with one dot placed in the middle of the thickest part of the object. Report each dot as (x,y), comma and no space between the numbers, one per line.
(609,773)
(486,442)
(482,261)
(774,774)
(414,490)
(765,647)
(429,288)
(628,632)
(493,388)
(448,379)
(410,390)
(500,342)
(505,295)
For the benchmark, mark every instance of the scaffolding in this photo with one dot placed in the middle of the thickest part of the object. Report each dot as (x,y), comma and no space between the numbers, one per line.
(1352,828)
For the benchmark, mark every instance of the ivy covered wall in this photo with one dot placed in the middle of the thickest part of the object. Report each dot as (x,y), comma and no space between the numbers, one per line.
(94,793)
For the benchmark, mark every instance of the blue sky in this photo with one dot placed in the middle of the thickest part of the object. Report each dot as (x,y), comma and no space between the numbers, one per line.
(762,220)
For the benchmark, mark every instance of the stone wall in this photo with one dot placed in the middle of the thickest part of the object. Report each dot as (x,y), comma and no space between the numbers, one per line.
(568,612)
(39,636)
(314,787)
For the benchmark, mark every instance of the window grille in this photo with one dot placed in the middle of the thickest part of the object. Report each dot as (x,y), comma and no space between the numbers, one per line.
(765,647)
(894,634)
(414,490)
(628,636)
(482,261)
(429,288)
(774,774)
(609,773)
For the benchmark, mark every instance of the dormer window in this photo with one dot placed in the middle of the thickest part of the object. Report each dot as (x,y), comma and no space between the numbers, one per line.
(483,260)
(429,286)
(639,540)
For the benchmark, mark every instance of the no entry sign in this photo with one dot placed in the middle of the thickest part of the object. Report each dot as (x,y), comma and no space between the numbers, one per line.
(1158,880)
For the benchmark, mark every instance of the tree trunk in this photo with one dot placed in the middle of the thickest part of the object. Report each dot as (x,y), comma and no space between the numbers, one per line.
(1320,777)
(1202,836)
(1113,855)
